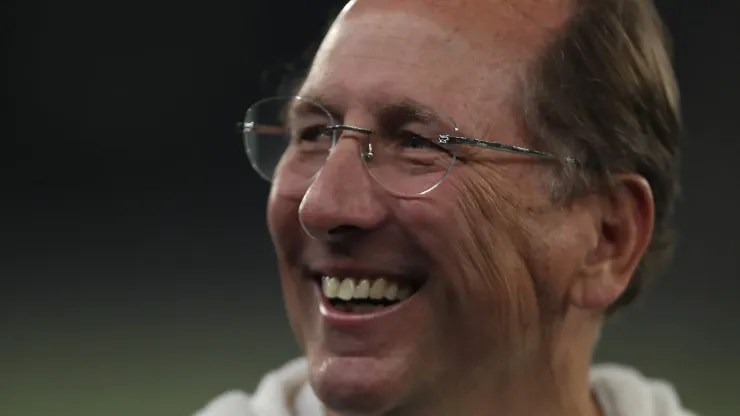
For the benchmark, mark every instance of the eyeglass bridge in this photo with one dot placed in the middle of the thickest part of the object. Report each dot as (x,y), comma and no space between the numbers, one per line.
(366,155)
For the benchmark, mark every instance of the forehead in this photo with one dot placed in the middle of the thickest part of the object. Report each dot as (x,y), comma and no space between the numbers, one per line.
(448,57)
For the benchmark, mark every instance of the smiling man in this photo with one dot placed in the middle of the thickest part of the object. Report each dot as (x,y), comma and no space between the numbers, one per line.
(462,192)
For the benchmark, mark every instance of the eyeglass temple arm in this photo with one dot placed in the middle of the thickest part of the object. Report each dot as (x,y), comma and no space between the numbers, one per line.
(250,127)
(446,139)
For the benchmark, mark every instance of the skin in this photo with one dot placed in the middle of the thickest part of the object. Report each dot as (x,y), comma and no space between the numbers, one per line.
(512,307)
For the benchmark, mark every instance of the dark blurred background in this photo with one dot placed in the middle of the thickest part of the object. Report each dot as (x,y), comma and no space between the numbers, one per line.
(138,275)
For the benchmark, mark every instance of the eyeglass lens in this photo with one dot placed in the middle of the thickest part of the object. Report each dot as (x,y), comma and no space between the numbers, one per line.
(292,137)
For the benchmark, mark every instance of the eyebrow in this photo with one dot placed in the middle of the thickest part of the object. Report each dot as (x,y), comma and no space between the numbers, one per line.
(408,109)
(405,110)
(306,107)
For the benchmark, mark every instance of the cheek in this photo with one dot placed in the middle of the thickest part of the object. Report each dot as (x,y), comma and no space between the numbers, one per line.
(284,226)
(287,237)
(282,220)
(294,306)
(481,234)
(495,234)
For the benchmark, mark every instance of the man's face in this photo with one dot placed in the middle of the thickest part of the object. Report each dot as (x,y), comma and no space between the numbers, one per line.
(483,245)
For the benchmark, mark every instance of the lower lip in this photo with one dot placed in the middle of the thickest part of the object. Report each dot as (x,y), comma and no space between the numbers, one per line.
(336,317)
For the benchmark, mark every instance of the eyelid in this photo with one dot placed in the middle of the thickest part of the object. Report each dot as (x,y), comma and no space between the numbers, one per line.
(413,133)
(326,129)
(432,140)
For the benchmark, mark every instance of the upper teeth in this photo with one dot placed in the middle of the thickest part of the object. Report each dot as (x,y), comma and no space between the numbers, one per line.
(375,289)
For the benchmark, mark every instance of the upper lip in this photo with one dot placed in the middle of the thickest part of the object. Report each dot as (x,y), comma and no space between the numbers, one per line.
(345,269)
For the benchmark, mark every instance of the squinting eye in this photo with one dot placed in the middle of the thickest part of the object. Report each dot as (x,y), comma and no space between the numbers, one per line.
(314,133)
(415,141)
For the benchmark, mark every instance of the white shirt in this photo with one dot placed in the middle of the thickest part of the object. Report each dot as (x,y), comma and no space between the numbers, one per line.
(620,391)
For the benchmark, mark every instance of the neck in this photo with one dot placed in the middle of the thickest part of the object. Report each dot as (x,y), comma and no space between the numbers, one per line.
(543,396)
(555,384)
(553,381)
(560,391)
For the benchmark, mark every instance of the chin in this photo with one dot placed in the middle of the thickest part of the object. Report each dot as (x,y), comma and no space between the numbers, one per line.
(357,385)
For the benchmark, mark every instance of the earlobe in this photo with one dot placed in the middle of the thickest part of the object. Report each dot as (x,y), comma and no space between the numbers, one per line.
(626,225)
(597,288)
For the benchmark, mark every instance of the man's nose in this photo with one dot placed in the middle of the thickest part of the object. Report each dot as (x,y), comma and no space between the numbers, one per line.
(342,201)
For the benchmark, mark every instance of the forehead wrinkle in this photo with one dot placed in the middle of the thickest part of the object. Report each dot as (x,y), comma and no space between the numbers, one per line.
(481,47)
(486,65)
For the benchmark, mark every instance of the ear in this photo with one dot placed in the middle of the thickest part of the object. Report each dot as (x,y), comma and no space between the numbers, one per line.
(626,218)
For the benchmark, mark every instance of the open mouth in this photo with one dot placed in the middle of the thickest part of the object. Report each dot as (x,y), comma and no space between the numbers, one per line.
(363,295)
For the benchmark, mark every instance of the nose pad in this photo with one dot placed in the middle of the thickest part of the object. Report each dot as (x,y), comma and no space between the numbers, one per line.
(367,155)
